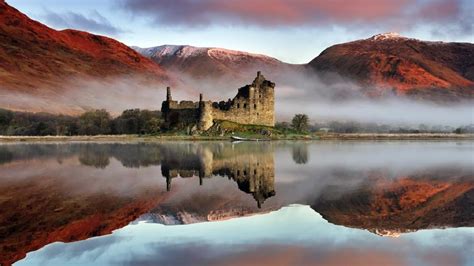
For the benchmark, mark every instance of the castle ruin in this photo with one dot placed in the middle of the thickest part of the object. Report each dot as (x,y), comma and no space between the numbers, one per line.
(254,104)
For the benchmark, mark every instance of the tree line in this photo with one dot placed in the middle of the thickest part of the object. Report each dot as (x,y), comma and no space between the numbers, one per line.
(94,122)
(147,122)
(301,124)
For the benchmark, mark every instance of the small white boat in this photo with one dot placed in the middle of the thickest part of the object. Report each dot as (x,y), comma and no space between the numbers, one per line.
(236,138)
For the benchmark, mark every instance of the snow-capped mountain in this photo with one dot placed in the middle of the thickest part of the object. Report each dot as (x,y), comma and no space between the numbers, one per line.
(205,62)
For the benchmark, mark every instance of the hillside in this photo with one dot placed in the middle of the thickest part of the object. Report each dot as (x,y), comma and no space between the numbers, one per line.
(393,64)
(35,58)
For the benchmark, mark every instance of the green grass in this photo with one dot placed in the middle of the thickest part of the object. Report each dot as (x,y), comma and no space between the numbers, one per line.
(228,128)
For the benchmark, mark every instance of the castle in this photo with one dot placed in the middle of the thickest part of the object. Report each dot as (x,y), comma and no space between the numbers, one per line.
(254,104)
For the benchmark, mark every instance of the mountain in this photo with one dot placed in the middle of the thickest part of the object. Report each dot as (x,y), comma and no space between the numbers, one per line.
(36,58)
(393,64)
(212,63)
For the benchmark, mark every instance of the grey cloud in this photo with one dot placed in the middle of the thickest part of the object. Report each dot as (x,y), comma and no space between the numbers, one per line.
(94,22)
(367,13)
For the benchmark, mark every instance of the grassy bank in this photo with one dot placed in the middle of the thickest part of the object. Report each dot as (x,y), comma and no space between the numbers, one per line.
(396,136)
(138,138)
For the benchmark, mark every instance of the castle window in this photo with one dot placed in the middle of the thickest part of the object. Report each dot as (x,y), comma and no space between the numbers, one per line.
(238,172)
(255,171)
(245,173)
(238,105)
(245,105)
(255,106)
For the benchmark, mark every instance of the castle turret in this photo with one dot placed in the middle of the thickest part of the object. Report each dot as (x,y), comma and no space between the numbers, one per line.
(205,116)
(258,81)
(168,94)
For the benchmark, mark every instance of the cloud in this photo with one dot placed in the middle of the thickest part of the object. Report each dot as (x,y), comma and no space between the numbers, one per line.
(95,22)
(296,13)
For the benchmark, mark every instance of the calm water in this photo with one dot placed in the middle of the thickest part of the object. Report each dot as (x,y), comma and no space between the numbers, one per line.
(223,203)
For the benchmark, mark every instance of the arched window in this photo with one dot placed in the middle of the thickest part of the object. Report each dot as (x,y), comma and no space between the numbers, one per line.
(238,105)
(255,106)
(245,105)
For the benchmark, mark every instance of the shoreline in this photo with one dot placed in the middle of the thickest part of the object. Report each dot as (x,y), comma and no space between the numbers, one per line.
(321,137)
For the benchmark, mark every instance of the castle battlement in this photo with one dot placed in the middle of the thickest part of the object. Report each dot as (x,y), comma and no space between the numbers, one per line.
(254,104)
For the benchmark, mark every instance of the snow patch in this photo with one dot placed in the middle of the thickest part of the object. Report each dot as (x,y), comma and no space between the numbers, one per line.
(386,36)
(170,50)
(234,56)
(187,51)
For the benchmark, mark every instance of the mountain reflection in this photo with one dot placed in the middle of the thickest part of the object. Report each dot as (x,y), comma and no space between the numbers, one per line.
(434,199)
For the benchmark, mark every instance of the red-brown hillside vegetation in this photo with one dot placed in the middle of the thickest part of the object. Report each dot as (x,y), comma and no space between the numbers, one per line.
(34,56)
(390,63)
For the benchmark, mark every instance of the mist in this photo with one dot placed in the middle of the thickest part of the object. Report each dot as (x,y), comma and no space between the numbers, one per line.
(335,99)
(297,91)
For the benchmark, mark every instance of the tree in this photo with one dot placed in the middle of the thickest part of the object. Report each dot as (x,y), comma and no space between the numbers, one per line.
(94,122)
(153,126)
(6,117)
(300,122)
(136,121)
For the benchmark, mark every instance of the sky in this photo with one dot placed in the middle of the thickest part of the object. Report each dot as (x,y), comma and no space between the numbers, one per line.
(294,31)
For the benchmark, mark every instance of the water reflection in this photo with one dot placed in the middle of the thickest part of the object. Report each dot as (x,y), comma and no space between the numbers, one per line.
(253,170)
(71,192)
(294,235)
(300,153)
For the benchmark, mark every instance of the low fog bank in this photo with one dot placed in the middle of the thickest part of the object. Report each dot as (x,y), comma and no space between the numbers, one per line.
(334,99)
(384,111)
(337,99)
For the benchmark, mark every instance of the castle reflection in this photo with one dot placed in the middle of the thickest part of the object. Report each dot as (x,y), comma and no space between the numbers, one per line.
(250,166)
(254,172)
